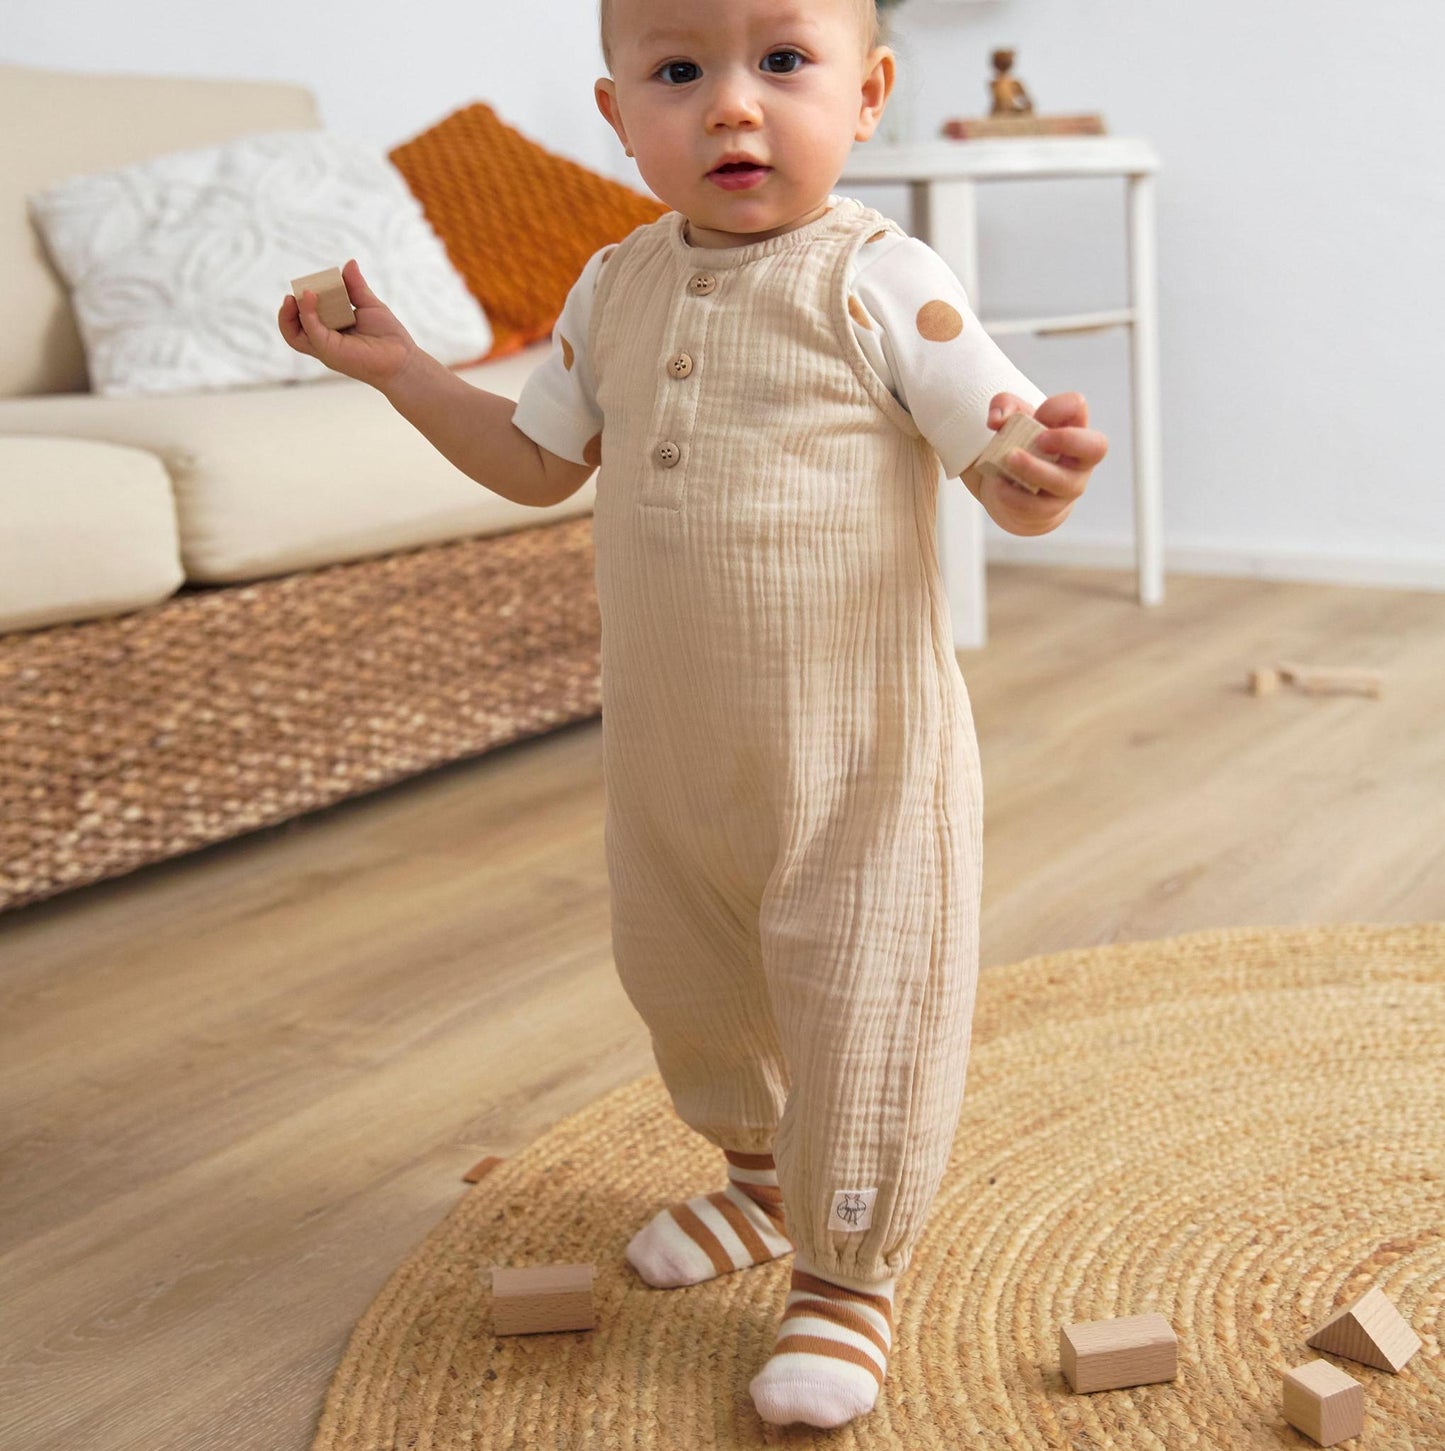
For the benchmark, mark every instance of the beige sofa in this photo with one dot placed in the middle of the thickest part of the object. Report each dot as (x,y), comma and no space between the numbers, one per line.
(112,506)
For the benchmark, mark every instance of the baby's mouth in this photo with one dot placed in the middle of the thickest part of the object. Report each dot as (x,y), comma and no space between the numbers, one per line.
(734,173)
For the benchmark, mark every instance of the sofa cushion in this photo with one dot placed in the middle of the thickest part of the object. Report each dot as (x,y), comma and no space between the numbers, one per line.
(269,480)
(518,221)
(89,530)
(61,123)
(178,264)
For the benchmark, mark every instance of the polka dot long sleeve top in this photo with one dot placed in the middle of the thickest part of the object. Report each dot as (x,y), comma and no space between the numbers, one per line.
(912,320)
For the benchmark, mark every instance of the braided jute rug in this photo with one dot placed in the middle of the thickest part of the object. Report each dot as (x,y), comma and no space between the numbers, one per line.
(1241,1130)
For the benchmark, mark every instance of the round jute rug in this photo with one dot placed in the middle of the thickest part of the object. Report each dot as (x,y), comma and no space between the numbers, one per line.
(1241,1130)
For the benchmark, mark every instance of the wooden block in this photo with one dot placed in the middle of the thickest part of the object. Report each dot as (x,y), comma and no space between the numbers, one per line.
(1263,682)
(1371,1331)
(1331,679)
(542,1298)
(481,1169)
(333,302)
(1106,1355)
(1018,431)
(1324,1402)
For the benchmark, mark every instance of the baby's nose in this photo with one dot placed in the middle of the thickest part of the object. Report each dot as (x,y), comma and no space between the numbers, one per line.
(733,102)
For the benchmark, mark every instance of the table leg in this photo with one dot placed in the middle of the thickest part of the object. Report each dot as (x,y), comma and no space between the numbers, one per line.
(945,215)
(1144,367)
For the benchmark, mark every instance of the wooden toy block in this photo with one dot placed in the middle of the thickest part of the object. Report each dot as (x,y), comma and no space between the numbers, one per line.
(1371,1331)
(1324,1402)
(1263,682)
(333,302)
(481,1169)
(1331,680)
(542,1298)
(1018,431)
(1106,1355)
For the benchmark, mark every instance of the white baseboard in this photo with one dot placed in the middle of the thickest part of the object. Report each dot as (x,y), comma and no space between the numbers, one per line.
(1383,571)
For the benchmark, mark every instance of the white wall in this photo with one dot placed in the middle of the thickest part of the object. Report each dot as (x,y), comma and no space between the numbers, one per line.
(1301,218)
(1301,229)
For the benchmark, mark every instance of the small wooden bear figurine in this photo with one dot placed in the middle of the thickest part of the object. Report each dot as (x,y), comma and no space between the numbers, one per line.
(1009,96)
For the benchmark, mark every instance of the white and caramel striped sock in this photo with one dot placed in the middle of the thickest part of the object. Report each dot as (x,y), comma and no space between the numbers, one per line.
(714,1234)
(831,1354)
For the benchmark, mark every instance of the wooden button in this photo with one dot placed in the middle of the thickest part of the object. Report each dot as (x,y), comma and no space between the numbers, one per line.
(679,365)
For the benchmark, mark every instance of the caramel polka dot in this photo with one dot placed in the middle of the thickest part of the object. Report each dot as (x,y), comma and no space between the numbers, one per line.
(609,252)
(592,454)
(939,322)
(567,355)
(877,236)
(856,309)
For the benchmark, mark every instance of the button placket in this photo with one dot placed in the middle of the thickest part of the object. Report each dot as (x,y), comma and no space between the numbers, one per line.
(667,453)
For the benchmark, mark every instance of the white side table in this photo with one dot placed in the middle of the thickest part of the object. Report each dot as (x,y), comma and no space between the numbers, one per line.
(942,177)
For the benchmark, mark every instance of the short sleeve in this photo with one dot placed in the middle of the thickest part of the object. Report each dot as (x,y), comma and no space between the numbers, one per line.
(941,365)
(557,407)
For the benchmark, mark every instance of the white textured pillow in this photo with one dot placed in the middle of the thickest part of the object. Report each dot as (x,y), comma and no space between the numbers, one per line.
(177,266)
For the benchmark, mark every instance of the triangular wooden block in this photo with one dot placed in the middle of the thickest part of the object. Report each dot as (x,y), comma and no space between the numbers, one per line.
(1371,1331)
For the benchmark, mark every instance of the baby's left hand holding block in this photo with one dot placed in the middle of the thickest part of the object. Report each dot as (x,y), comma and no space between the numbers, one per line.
(333,302)
(1018,430)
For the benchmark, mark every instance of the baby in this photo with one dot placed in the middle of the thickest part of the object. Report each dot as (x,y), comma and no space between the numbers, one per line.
(769,376)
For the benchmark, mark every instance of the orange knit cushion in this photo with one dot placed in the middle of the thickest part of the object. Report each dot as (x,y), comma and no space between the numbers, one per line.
(518,222)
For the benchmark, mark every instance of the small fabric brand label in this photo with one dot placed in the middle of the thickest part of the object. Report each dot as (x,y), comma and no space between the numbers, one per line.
(852,1209)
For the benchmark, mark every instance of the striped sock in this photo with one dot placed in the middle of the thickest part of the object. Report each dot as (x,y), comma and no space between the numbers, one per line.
(713,1234)
(831,1355)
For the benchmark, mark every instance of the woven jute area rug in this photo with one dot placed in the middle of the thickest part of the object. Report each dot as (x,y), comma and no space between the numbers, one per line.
(1241,1130)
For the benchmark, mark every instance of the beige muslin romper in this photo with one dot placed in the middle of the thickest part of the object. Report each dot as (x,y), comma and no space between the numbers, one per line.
(793,822)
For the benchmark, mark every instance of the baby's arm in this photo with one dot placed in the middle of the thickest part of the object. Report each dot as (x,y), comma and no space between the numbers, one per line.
(474,429)
(471,427)
(558,408)
(922,336)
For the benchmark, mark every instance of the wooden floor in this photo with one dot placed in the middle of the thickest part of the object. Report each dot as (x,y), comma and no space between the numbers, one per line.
(237,1089)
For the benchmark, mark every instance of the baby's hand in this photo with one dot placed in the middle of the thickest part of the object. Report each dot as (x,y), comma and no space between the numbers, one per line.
(1073,450)
(374,351)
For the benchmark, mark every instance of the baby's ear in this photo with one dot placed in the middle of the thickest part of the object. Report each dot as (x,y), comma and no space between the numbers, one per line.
(879,75)
(605,94)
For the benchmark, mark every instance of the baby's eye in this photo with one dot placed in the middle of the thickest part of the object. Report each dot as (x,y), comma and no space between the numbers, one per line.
(672,65)
(791,70)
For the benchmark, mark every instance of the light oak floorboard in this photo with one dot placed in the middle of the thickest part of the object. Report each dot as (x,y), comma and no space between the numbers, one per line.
(237,1089)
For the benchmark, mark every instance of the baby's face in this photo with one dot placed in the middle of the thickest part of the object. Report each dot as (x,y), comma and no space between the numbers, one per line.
(788,83)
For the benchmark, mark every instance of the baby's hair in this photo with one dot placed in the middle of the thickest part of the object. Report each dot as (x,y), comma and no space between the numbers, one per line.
(867,19)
